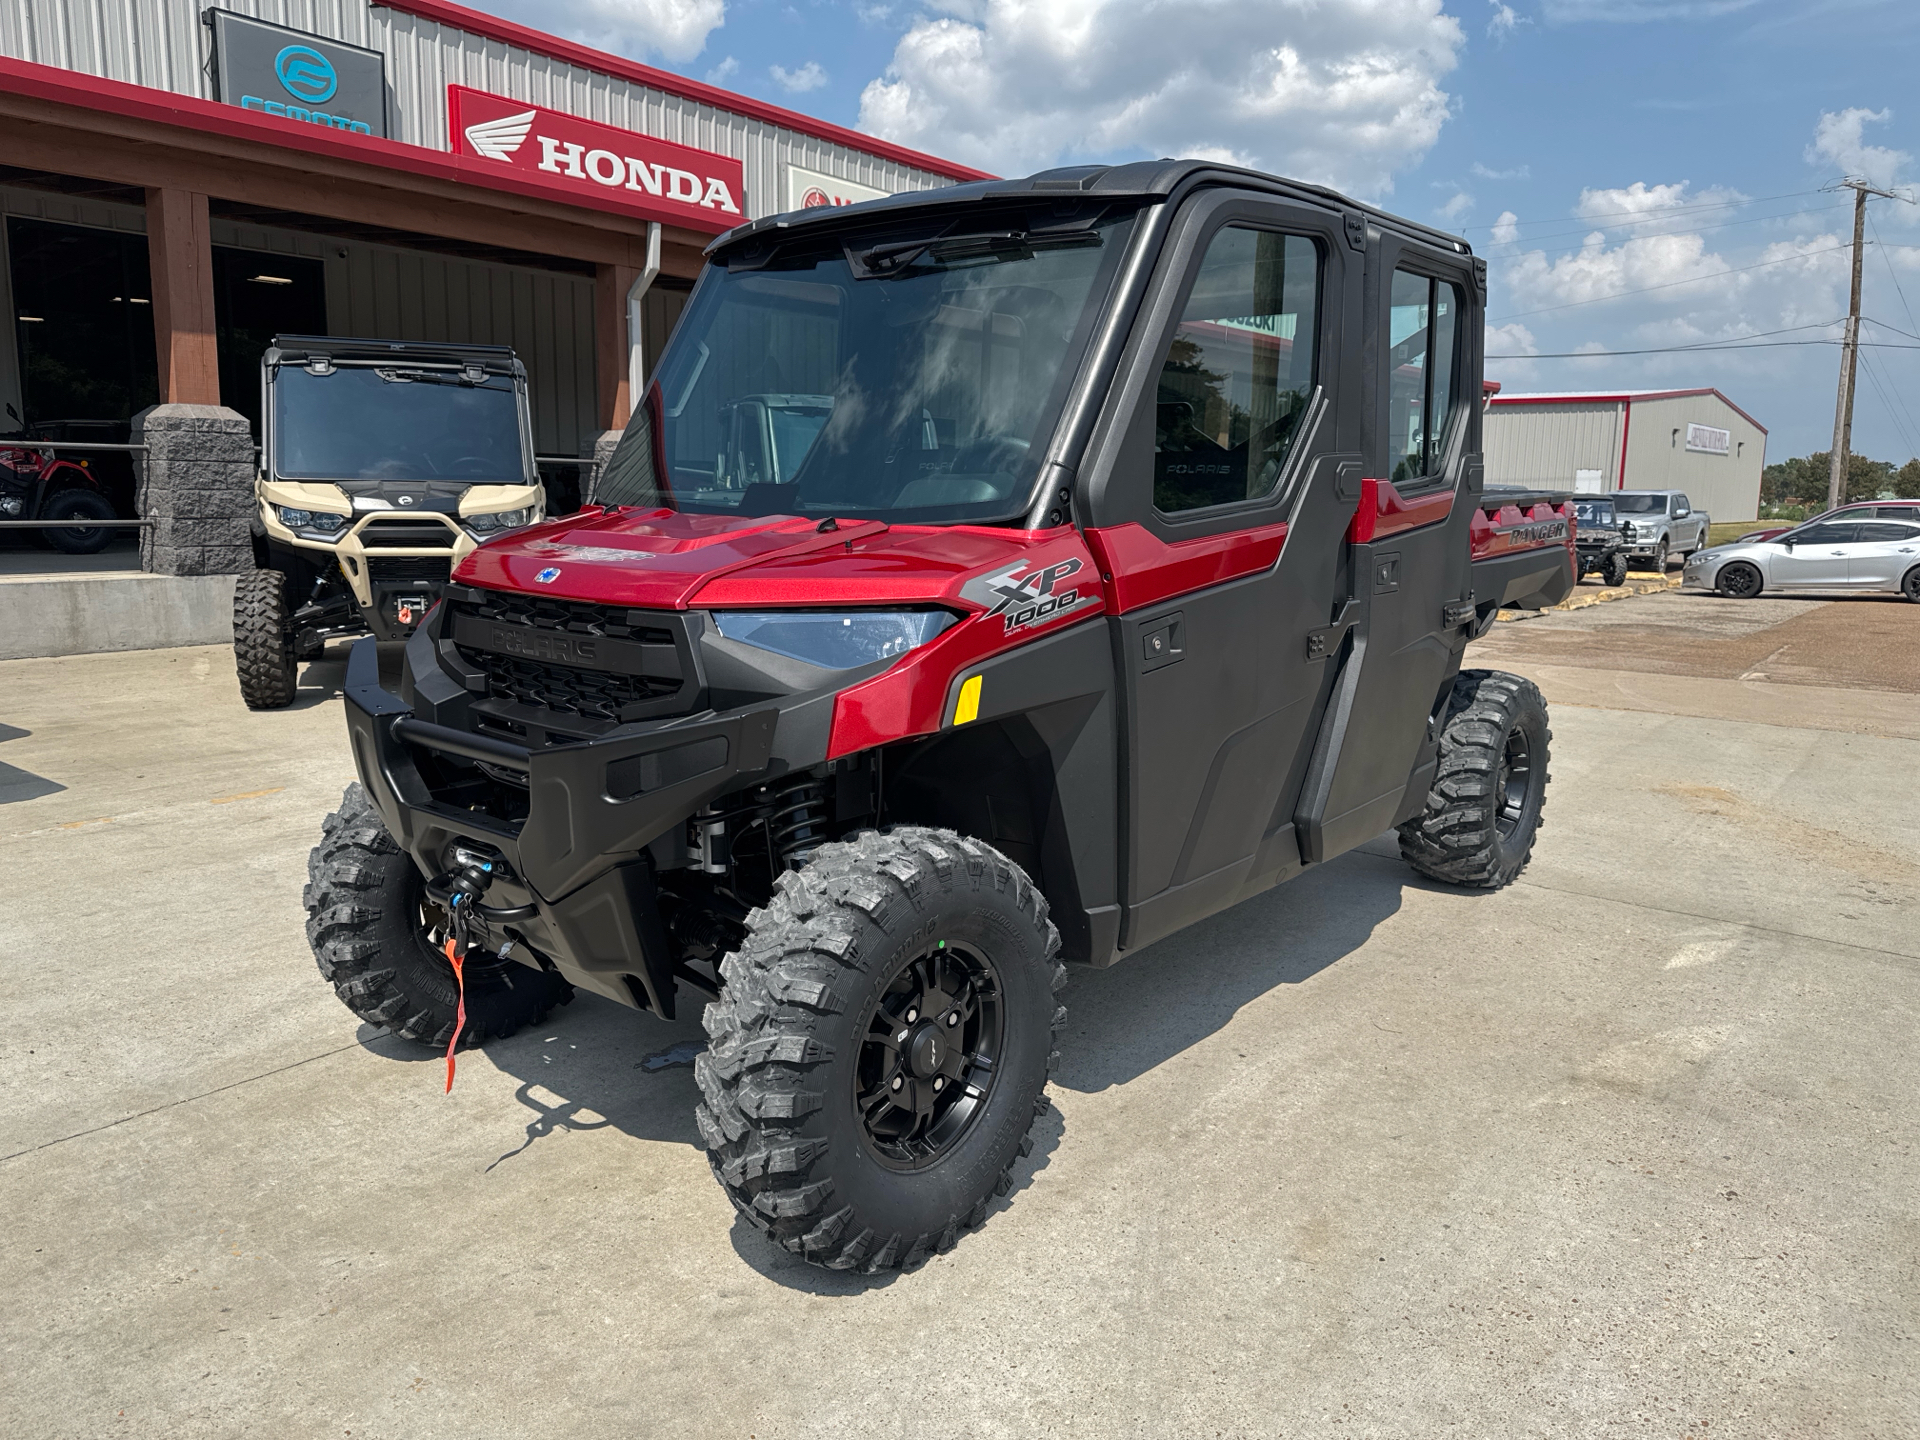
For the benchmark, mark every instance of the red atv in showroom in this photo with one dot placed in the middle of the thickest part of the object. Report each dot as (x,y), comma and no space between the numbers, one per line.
(991,577)
(35,484)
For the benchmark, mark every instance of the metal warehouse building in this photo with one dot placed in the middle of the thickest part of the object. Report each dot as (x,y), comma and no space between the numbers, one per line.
(1693,440)
(179,183)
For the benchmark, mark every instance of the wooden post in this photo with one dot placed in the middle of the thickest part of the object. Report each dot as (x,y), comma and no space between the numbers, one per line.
(180,256)
(614,405)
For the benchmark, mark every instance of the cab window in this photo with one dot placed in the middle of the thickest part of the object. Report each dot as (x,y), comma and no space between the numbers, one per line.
(1423,366)
(1239,374)
(1834,532)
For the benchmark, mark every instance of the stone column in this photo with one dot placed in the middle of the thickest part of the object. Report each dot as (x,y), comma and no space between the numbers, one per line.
(196,485)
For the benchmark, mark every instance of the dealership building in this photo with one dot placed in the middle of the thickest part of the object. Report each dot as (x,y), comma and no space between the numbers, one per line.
(180,183)
(1697,441)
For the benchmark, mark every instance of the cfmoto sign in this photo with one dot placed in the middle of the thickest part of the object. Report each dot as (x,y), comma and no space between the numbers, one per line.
(297,77)
(306,74)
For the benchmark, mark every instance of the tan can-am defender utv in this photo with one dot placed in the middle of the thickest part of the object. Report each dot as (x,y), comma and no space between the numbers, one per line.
(382,463)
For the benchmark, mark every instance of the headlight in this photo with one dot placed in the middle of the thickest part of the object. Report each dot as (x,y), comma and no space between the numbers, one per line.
(499,520)
(833,640)
(323,522)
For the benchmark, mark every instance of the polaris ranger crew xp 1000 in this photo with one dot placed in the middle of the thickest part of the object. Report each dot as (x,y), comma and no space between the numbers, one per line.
(991,577)
(382,463)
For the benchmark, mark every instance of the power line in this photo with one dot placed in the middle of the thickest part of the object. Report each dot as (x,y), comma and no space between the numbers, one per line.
(1693,350)
(1873,379)
(1893,275)
(1669,285)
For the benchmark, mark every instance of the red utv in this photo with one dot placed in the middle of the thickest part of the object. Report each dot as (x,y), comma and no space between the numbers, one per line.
(992,577)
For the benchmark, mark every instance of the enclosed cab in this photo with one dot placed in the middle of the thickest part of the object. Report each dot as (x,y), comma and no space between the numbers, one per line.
(991,577)
(382,464)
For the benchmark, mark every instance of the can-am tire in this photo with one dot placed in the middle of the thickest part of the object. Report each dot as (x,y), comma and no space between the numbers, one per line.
(1484,809)
(373,936)
(880,1050)
(79,505)
(263,640)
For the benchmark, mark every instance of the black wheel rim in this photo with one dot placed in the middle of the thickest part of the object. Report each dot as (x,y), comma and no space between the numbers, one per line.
(1514,783)
(929,1055)
(1740,581)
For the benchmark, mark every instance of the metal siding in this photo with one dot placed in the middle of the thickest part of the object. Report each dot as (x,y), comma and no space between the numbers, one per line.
(163,44)
(1726,487)
(1544,445)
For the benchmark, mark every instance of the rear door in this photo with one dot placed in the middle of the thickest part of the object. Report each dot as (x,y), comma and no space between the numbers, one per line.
(1217,491)
(1411,548)
(1881,553)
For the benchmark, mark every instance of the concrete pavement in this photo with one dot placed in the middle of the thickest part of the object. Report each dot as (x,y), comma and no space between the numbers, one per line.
(1627,1148)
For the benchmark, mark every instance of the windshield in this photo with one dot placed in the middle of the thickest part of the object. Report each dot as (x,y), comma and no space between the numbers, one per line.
(395,423)
(911,377)
(1641,504)
(1593,512)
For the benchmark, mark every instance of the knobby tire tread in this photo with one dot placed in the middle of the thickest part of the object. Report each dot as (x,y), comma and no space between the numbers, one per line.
(262,646)
(1455,839)
(802,961)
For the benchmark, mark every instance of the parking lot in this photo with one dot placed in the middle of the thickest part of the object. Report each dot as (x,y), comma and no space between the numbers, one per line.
(1627,1148)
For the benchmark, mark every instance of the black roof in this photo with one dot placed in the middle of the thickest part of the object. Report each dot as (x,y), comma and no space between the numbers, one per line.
(295,350)
(1141,180)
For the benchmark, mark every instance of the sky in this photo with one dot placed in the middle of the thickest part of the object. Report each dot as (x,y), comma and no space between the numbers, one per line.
(1642,175)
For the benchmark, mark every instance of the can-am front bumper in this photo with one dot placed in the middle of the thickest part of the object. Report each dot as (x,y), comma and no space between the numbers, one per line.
(577,884)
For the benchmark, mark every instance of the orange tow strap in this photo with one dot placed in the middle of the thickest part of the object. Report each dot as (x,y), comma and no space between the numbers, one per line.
(458,961)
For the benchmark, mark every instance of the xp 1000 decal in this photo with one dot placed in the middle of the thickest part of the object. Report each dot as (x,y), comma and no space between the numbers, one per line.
(1026,596)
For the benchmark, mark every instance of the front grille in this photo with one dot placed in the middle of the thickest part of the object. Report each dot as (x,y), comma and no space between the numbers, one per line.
(408,570)
(588,694)
(631,665)
(406,535)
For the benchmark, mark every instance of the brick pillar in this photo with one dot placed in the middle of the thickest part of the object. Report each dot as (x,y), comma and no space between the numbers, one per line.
(196,485)
(613,405)
(180,256)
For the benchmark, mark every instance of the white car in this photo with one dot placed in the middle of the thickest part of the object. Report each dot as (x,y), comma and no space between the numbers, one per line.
(1844,554)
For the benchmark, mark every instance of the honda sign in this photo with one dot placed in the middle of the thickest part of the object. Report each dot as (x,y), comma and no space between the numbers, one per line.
(591,163)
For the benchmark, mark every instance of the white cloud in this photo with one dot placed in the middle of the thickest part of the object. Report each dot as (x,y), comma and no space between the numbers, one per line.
(1839,140)
(1518,172)
(1505,21)
(723,72)
(1458,205)
(1506,230)
(1343,91)
(673,29)
(798,81)
(1511,339)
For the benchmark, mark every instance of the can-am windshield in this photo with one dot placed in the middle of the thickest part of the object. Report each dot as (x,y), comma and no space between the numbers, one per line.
(914,375)
(400,422)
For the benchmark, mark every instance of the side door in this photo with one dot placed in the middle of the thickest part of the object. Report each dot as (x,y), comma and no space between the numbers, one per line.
(1881,553)
(1216,490)
(1373,759)
(1690,529)
(1818,556)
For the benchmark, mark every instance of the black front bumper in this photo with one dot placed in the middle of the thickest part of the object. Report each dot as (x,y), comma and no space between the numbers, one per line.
(578,883)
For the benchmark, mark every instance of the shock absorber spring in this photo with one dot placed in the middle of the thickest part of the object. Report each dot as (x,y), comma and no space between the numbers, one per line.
(799,821)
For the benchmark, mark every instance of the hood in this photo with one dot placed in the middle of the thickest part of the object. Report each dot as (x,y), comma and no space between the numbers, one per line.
(663,559)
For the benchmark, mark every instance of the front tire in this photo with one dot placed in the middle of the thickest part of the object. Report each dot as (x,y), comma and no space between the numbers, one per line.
(881,1048)
(263,640)
(369,923)
(1616,571)
(1738,581)
(1489,790)
(81,505)
(1660,558)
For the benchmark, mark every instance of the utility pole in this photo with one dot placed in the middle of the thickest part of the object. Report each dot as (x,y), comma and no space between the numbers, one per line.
(1849,347)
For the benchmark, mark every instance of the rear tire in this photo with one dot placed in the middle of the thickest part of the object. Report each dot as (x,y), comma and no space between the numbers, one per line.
(1616,570)
(78,505)
(369,932)
(1484,809)
(846,1143)
(1910,585)
(263,640)
(1739,581)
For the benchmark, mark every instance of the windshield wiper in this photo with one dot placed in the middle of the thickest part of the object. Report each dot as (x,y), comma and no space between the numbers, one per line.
(892,259)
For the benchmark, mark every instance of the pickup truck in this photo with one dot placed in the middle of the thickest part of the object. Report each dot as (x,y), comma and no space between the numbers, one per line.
(1663,522)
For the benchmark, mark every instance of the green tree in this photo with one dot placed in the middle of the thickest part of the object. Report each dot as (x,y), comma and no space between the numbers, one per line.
(1803,480)
(1906,481)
